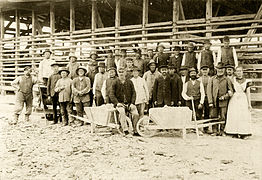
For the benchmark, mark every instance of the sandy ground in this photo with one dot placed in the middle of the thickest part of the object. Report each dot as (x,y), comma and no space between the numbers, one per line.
(35,150)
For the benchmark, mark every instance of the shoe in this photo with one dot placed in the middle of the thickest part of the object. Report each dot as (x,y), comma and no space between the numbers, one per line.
(27,118)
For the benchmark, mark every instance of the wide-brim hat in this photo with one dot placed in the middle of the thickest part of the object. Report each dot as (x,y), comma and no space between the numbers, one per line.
(204,67)
(191,70)
(183,68)
(129,59)
(220,65)
(47,50)
(72,55)
(150,49)
(27,68)
(161,45)
(229,66)
(111,68)
(171,66)
(61,69)
(93,53)
(101,64)
(92,63)
(55,63)
(162,66)
(81,67)
(151,62)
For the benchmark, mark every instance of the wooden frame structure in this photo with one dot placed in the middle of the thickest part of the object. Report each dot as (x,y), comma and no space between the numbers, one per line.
(13,56)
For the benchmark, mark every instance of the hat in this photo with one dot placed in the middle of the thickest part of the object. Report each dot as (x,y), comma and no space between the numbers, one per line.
(150,49)
(190,44)
(161,45)
(220,65)
(55,63)
(81,67)
(109,51)
(121,69)
(183,68)
(101,64)
(177,48)
(123,50)
(162,66)
(171,66)
(151,62)
(93,53)
(92,63)
(138,51)
(72,55)
(63,69)
(204,67)
(27,68)
(129,59)
(206,41)
(135,68)
(191,69)
(111,68)
(229,66)
(47,50)
(226,39)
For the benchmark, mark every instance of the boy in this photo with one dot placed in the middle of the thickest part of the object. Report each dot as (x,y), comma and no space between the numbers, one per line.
(161,58)
(142,94)
(226,54)
(219,91)
(129,67)
(110,60)
(52,95)
(189,58)
(81,86)
(45,69)
(176,58)
(149,56)
(207,57)
(24,94)
(177,85)
(138,62)
(162,91)
(194,90)
(64,88)
(108,83)
(100,77)
(72,66)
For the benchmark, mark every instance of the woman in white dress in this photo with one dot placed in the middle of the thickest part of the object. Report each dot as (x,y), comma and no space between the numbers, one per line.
(239,108)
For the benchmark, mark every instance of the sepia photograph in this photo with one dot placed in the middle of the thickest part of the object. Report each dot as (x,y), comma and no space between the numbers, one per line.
(130,89)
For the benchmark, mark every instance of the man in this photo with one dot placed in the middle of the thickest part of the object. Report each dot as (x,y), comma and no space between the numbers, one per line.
(91,75)
(227,54)
(123,96)
(184,78)
(24,94)
(219,91)
(150,76)
(72,66)
(80,87)
(64,89)
(121,63)
(194,90)
(176,58)
(142,94)
(107,85)
(129,67)
(189,58)
(93,56)
(150,55)
(45,69)
(162,91)
(52,95)
(230,72)
(161,58)
(177,85)
(206,57)
(110,60)
(138,62)
(100,77)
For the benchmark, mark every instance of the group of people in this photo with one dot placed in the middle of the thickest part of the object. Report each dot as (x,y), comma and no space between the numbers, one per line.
(214,84)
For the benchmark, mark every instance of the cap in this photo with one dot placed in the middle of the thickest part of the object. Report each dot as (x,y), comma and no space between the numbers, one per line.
(171,66)
(204,67)
(229,66)
(135,68)
(183,68)
(220,65)
(191,69)
(162,66)
(55,63)
(226,39)
(47,50)
(161,45)
(206,41)
(27,68)
(72,55)
(190,44)
(101,64)
(177,48)
(151,62)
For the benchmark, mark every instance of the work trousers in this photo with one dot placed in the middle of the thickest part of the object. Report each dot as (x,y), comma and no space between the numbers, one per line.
(198,111)
(80,108)
(22,98)
(141,109)
(55,103)
(66,109)
(220,112)
(99,99)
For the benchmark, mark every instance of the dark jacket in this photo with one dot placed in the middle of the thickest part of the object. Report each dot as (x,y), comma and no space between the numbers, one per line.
(162,92)
(161,59)
(177,86)
(176,61)
(122,93)
(51,84)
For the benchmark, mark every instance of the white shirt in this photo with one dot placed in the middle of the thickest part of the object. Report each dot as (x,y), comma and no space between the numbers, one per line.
(45,69)
(202,92)
(142,93)
(234,56)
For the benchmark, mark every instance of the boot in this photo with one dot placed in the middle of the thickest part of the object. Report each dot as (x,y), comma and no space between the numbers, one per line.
(64,121)
(27,118)
(15,120)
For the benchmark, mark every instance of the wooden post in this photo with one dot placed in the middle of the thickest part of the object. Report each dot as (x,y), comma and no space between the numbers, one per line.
(117,21)
(175,18)
(72,22)
(2,31)
(93,21)
(52,23)
(208,17)
(17,35)
(144,22)
(33,37)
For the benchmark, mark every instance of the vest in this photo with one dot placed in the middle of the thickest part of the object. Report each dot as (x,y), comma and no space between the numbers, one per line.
(191,60)
(227,56)
(207,58)
(193,90)
(26,85)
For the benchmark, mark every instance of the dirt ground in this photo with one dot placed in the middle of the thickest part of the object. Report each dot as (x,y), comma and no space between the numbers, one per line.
(35,150)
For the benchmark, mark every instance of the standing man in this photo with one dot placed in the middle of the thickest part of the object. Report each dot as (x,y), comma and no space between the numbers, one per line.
(150,76)
(91,75)
(150,55)
(194,90)
(219,91)
(230,70)
(107,85)
(123,96)
(24,94)
(189,58)
(176,85)
(110,60)
(207,58)
(45,69)
(162,92)
(138,62)
(160,57)
(100,77)
(176,58)
(72,66)
(227,54)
